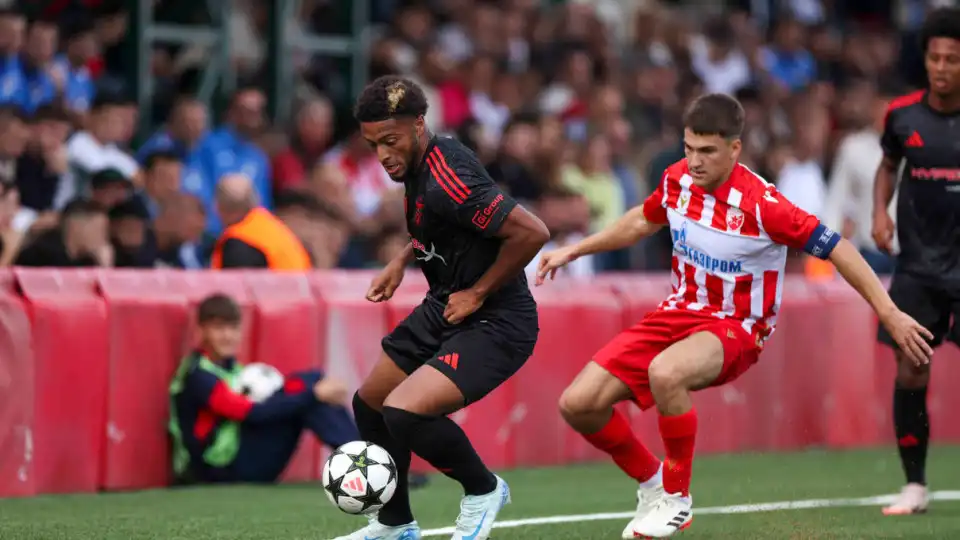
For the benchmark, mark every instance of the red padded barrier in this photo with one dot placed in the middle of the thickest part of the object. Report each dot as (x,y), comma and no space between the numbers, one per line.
(575,321)
(147,332)
(351,329)
(70,330)
(286,335)
(84,400)
(16,394)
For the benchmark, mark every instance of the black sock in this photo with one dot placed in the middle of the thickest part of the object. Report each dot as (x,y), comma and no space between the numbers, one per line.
(913,431)
(444,445)
(373,429)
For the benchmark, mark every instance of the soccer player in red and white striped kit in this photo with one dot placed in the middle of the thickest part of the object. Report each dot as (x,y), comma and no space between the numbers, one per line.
(731,234)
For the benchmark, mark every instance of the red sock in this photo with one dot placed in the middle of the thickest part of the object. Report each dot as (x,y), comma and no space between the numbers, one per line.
(679,435)
(617,439)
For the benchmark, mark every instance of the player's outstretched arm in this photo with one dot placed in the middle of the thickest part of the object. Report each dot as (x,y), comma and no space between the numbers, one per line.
(625,232)
(908,333)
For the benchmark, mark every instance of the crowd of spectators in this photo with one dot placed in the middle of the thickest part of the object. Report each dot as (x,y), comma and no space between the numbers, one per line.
(574,106)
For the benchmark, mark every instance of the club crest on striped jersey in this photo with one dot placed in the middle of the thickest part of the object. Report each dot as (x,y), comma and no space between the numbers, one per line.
(683,202)
(734,219)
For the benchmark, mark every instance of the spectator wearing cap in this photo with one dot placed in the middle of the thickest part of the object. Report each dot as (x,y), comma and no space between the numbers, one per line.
(80,48)
(12,25)
(183,135)
(81,240)
(39,85)
(253,237)
(95,148)
(180,233)
(231,148)
(129,235)
(110,187)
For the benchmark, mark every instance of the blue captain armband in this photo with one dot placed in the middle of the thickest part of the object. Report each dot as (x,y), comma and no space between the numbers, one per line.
(822,242)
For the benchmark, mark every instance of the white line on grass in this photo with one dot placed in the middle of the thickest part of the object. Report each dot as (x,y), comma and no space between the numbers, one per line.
(735,509)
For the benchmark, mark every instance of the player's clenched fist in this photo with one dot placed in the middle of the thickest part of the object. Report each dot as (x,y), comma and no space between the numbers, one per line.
(910,336)
(383,286)
(461,305)
(883,229)
(552,261)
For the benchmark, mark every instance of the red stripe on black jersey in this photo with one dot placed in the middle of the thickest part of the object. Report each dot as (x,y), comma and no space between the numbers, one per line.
(444,182)
(903,101)
(458,184)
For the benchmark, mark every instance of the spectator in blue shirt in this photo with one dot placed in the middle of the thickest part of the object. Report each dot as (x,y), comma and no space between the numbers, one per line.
(12,24)
(38,87)
(184,136)
(231,148)
(787,61)
(71,67)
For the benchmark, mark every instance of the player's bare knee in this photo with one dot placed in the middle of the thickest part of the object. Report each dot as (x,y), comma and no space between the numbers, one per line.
(910,375)
(666,375)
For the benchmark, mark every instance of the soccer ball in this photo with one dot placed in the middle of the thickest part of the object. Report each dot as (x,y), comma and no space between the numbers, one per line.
(360,477)
(259,381)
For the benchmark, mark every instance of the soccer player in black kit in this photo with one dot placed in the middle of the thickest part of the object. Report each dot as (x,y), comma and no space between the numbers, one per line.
(476,327)
(923,129)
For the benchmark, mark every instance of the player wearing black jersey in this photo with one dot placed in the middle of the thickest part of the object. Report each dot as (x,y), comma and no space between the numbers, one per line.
(923,130)
(475,328)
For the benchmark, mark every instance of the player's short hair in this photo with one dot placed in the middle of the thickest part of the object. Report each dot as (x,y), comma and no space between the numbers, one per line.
(390,97)
(218,307)
(940,23)
(715,114)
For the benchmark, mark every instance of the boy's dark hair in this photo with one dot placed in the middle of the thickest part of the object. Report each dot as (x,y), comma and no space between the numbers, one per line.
(82,208)
(715,114)
(160,156)
(50,113)
(218,307)
(390,97)
(940,23)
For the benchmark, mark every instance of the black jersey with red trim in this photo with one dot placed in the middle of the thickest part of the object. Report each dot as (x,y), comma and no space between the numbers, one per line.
(454,210)
(928,202)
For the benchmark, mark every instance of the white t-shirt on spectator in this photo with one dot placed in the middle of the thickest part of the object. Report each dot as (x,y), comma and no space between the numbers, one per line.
(89,155)
(578,269)
(727,76)
(802,183)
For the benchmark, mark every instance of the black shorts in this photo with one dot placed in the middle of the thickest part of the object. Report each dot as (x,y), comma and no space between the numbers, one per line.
(932,305)
(478,354)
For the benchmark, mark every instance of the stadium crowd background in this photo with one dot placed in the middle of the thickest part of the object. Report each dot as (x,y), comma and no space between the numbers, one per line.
(575,106)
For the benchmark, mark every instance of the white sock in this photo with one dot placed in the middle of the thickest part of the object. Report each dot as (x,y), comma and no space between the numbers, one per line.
(654,480)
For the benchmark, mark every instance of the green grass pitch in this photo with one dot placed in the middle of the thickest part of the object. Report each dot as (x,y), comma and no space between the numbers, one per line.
(301,512)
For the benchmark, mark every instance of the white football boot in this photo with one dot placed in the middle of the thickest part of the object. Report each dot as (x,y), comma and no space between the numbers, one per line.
(648,494)
(913,499)
(672,514)
(478,512)
(378,531)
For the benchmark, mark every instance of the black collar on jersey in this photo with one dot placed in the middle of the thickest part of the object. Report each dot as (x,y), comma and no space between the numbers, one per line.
(929,107)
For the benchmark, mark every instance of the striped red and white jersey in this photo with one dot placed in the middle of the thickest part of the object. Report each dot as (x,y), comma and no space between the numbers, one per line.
(730,245)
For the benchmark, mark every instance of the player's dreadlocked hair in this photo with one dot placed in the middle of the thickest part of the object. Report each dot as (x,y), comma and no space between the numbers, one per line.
(940,23)
(390,97)
(715,114)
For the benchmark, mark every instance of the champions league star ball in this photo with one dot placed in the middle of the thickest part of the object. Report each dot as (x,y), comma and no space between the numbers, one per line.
(359,477)
(259,381)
